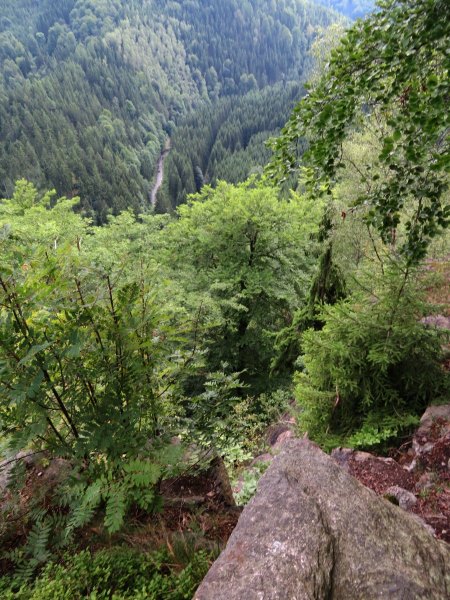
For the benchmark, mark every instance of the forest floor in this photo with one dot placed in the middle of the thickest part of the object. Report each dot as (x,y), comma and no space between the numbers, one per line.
(438,292)
(429,483)
(194,515)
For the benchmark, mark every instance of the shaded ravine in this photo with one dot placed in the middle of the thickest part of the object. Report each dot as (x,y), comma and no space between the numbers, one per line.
(159,172)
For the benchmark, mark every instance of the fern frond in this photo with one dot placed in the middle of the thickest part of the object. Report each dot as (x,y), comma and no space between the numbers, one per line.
(145,499)
(37,542)
(26,570)
(115,509)
(142,473)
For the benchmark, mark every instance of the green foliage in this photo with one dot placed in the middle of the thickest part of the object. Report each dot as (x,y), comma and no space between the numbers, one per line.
(87,362)
(116,486)
(93,370)
(114,339)
(327,287)
(250,481)
(212,415)
(373,360)
(242,255)
(233,426)
(379,429)
(392,67)
(243,46)
(79,359)
(118,573)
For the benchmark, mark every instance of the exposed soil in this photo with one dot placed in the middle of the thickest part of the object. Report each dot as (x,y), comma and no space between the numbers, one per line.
(429,481)
(378,475)
(434,508)
(194,503)
(189,486)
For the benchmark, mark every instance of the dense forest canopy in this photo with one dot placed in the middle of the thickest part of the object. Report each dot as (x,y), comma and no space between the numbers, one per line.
(225,140)
(90,90)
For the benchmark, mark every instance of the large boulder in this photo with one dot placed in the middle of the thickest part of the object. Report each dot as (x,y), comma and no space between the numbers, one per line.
(313,532)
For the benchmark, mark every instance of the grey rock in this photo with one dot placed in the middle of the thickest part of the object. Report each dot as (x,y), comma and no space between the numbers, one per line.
(276,431)
(342,456)
(440,411)
(281,439)
(423,523)
(439,321)
(412,466)
(262,458)
(313,532)
(424,439)
(55,473)
(405,499)
(425,482)
(362,456)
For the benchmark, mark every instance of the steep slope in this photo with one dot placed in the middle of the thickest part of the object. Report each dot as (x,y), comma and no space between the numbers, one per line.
(225,140)
(90,90)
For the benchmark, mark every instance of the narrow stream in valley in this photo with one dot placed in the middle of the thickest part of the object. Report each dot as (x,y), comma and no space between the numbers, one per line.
(159,172)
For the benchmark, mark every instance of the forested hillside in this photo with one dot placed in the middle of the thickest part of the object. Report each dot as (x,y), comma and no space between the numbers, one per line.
(90,90)
(225,140)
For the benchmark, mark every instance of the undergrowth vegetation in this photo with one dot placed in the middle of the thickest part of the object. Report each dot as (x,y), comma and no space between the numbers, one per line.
(373,367)
(119,573)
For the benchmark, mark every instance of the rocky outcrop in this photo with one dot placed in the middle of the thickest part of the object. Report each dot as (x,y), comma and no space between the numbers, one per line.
(418,480)
(438,321)
(30,459)
(400,496)
(313,532)
(431,442)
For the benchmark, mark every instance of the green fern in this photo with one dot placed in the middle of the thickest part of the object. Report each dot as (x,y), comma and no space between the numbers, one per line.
(29,557)
(145,499)
(38,538)
(115,509)
(141,473)
(379,429)
(59,538)
(83,511)
(93,494)
(80,515)
(26,569)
